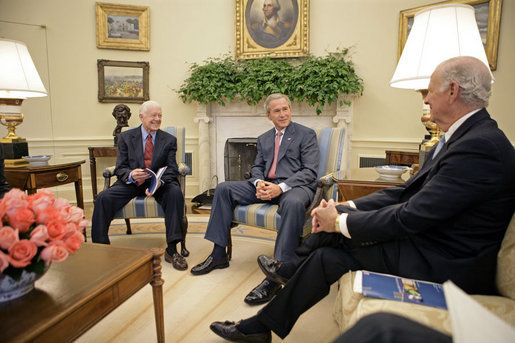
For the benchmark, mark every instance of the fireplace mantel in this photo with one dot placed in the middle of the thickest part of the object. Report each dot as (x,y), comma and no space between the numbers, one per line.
(236,119)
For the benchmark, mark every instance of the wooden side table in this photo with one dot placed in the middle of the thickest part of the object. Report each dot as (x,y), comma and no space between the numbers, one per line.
(94,152)
(363,181)
(403,158)
(30,179)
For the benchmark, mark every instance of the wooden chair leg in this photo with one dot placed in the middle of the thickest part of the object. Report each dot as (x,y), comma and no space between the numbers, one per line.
(128,224)
(229,241)
(184,227)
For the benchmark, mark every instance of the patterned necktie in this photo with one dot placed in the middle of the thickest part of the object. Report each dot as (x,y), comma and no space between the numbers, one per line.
(439,146)
(149,148)
(271,172)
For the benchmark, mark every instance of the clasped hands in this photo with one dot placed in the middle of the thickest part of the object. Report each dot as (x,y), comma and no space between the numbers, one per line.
(324,217)
(267,190)
(140,175)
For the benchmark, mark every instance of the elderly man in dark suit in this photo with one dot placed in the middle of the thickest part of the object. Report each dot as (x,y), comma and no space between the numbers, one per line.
(144,147)
(284,173)
(446,222)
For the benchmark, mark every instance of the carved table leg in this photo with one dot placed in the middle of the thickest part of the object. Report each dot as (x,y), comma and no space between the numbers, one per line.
(157,292)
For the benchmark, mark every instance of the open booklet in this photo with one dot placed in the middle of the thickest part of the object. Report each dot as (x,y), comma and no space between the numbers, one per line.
(391,287)
(155,179)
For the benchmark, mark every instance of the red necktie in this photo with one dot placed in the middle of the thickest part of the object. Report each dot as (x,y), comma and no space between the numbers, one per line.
(149,148)
(271,172)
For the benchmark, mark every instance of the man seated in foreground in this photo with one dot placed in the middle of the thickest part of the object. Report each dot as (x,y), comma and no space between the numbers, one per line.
(284,173)
(446,222)
(144,147)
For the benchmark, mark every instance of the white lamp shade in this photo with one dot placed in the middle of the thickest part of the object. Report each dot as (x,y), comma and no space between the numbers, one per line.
(438,33)
(19,78)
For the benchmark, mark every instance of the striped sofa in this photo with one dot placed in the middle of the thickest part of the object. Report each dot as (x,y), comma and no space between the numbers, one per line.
(147,207)
(334,151)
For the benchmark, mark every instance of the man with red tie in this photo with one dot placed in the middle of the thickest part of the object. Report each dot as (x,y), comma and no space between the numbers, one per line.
(144,147)
(284,173)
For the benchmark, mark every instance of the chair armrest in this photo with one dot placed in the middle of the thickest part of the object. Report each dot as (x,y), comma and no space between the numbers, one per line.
(108,173)
(322,183)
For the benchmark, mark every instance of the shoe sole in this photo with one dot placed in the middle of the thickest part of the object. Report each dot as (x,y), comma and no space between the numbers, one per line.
(206,271)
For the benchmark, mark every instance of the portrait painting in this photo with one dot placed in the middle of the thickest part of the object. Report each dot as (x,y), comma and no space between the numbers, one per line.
(124,27)
(121,81)
(488,16)
(275,28)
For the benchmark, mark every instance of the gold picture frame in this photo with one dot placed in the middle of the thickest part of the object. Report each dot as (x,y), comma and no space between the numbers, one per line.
(123,27)
(289,38)
(488,23)
(122,81)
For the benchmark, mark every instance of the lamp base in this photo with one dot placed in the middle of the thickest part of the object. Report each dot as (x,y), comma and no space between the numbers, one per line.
(15,150)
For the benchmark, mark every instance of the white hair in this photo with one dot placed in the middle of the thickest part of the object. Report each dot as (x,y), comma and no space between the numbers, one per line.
(473,77)
(144,106)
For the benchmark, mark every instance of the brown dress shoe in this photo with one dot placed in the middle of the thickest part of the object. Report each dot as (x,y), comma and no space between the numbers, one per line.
(177,261)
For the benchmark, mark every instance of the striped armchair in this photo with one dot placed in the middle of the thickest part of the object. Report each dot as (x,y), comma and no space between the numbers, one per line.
(334,153)
(147,207)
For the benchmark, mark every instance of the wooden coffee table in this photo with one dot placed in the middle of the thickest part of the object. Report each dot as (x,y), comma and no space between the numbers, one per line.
(77,293)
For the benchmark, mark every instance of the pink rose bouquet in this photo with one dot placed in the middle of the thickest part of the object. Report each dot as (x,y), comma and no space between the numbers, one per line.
(36,230)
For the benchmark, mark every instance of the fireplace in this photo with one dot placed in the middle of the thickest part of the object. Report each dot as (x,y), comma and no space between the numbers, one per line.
(239,156)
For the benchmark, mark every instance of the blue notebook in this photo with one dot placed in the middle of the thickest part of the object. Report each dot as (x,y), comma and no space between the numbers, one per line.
(391,287)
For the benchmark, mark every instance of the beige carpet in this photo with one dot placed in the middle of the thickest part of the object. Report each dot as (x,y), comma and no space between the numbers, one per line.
(191,303)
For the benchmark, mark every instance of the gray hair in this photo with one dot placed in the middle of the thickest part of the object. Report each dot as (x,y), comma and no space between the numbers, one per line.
(144,107)
(275,96)
(277,7)
(473,77)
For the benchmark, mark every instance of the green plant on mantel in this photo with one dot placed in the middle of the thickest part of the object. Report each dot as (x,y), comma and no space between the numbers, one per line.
(315,80)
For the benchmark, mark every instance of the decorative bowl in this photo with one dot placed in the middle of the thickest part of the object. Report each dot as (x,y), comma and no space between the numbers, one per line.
(391,172)
(37,160)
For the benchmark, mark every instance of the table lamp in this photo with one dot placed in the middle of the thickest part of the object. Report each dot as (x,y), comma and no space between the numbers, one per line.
(19,80)
(438,33)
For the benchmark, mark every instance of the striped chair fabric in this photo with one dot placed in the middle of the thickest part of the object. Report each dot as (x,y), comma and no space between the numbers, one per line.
(332,158)
(147,207)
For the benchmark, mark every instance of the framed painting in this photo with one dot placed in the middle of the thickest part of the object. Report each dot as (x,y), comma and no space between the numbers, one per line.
(122,27)
(274,28)
(120,81)
(488,17)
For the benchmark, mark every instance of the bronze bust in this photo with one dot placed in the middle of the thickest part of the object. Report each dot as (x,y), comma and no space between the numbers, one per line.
(121,113)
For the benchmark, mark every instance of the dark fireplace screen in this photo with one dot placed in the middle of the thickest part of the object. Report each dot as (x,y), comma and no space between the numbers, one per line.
(239,156)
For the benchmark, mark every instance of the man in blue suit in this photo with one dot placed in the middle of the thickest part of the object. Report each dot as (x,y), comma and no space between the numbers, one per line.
(446,222)
(144,147)
(287,178)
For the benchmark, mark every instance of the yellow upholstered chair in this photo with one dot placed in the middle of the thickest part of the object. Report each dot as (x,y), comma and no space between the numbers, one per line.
(147,207)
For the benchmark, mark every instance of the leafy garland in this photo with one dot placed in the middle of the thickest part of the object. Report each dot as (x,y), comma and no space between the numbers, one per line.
(315,80)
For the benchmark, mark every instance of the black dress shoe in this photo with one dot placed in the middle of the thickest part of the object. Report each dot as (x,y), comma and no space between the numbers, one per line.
(270,267)
(228,330)
(209,264)
(177,261)
(263,293)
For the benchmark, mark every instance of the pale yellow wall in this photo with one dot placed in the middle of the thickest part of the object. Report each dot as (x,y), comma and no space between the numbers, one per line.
(183,32)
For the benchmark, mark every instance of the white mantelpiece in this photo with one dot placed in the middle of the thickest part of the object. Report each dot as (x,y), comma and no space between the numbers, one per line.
(237,119)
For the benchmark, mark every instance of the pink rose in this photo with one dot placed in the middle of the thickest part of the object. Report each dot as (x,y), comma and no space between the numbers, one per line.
(22,252)
(3,210)
(40,201)
(15,194)
(60,203)
(76,214)
(8,236)
(39,236)
(56,230)
(83,223)
(55,251)
(47,215)
(22,219)
(74,241)
(4,261)
(12,206)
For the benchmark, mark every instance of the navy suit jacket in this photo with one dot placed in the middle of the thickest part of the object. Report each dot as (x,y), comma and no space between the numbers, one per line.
(447,221)
(298,159)
(130,155)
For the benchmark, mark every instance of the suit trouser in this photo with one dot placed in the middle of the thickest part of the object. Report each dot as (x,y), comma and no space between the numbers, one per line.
(323,258)
(109,201)
(292,208)
(391,328)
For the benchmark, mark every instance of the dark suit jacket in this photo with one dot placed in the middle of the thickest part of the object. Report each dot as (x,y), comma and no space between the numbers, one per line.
(130,155)
(297,163)
(448,221)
